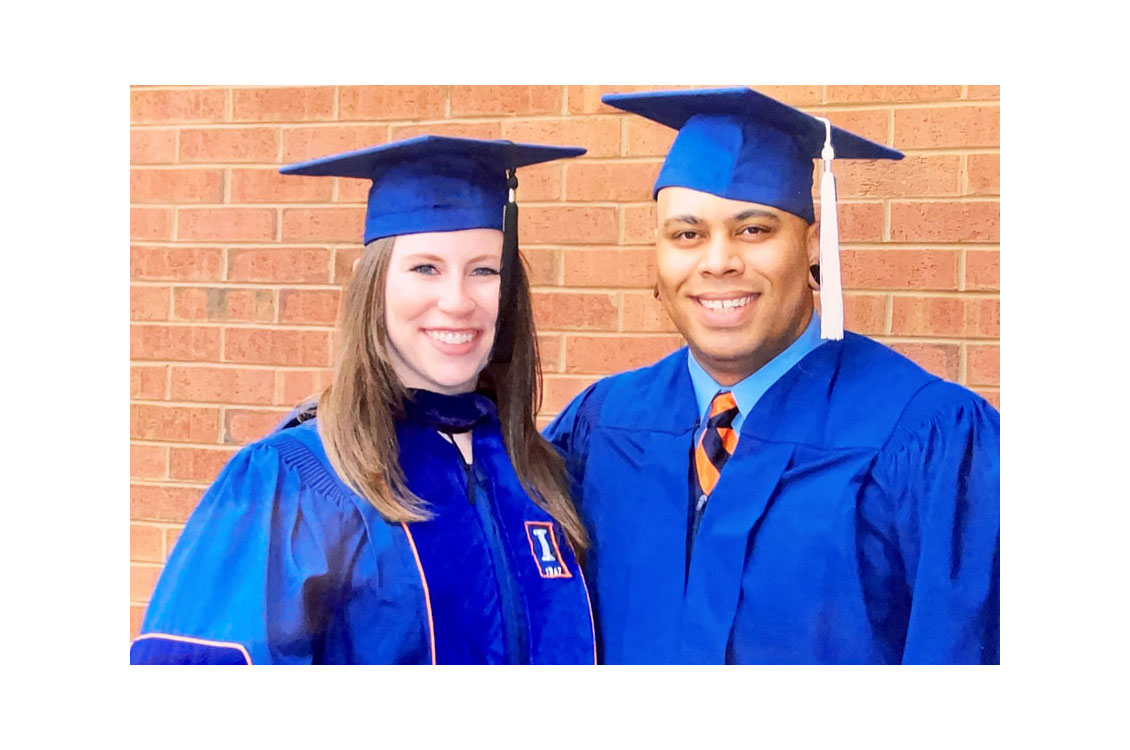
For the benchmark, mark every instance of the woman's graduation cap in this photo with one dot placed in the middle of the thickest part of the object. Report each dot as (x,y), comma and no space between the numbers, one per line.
(441,184)
(738,144)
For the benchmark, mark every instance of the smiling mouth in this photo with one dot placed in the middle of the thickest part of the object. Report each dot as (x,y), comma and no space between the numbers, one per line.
(729,303)
(454,338)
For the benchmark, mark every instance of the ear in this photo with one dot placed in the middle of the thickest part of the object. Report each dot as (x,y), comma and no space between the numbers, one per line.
(812,246)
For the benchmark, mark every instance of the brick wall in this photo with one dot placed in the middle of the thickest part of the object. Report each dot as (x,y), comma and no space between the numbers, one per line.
(236,271)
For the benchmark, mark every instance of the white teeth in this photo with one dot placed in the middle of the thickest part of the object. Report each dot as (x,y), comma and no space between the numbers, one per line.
(725,304)
(449,337)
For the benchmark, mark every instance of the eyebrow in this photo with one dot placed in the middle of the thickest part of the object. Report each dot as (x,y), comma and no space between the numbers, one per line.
(759,213)
(684,219)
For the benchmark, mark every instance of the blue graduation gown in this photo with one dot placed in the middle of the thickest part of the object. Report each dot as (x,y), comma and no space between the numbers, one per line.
(282,563)
(858,520)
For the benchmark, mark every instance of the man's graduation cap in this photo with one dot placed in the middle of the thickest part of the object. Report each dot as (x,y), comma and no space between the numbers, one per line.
(440,184)
(738,144)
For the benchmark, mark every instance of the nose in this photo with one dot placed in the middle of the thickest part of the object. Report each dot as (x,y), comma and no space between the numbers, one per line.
(454,298)
(720,257)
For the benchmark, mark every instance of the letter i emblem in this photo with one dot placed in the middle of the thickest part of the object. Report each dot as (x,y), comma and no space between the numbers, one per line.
(543,546)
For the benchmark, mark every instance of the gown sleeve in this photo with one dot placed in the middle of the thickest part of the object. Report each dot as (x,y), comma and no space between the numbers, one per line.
(569,435)
(257,571)
(941,473)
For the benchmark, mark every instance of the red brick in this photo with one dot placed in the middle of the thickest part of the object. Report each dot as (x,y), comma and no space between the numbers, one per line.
(928,316)
(984,173)
(280,264)
(343,263)
(197,464)
(223,385)
(618,181)
(136,617)
(942,360)
(983,318)
(220,304)
(865,313)
(541,182)
(174,342)
(945,221)
(993,396)
(914,176)
(181,263)
(308,306)
(793,95)
(541,265)
(600,355)
(150,224)
(609,267)
(983,364)
(268,186)
(561,389)
(899,269)
(171,536)
(323,224)
(567,224)
(586,99)
(193,105)
(983,269)
(984,92)
(298,385)
(505,100)
(646,138)
(147,382)
(266,346)
(639,223)
(352,191)
(174,423)
(947,127)
(142,581)
(391,102)
(549,350)
(873,124)
(242,426)
(148,503)
(853,94)
(600,135)
(484,130)
(223,145)
(152,146)
(226,224)
(146,543)
(176,186)
(148,302)
(287,104)
(148,461)
(592,311)
(311,142)
(643,312)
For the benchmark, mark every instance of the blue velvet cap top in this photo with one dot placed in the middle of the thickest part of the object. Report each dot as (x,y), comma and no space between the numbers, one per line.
(433,183)
(738,144)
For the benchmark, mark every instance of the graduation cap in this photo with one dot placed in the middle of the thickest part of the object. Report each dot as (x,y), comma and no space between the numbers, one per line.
(738,144)
(441,184)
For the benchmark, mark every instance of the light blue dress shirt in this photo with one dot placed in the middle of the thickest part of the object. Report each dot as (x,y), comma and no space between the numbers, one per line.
(747,392)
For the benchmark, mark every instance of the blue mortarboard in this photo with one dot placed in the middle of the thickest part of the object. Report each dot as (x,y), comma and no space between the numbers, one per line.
(433,183)
(738,144)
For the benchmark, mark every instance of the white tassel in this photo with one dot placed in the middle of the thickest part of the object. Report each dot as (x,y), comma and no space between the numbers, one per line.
(831,289)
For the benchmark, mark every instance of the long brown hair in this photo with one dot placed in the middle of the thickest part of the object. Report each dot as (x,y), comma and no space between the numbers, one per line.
(357,413)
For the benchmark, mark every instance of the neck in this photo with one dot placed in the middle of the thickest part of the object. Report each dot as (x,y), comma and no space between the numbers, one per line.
(729,372)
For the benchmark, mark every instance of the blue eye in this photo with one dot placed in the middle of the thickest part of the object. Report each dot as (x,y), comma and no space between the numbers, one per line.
(485,271)
(427,269)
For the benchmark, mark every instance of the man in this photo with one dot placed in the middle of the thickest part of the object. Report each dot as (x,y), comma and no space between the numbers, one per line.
(765,495)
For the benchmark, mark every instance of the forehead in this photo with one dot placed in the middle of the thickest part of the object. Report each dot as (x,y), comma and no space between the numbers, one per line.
(674,202)
(463,243)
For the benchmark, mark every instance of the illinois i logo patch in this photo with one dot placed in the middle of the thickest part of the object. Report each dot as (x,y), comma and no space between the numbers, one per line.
(543,545)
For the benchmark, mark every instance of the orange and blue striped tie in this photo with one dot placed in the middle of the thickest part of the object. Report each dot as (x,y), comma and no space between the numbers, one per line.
(717,442)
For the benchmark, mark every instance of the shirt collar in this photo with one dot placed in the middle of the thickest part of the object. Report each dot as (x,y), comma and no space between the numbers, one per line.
(749,391)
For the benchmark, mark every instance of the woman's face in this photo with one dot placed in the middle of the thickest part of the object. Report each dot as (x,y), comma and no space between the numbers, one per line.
(441,304)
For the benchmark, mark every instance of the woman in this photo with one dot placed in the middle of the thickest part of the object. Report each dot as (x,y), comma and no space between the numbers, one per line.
(415,515)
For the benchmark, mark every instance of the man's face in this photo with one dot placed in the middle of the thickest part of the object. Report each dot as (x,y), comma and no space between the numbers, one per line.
(734,278)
